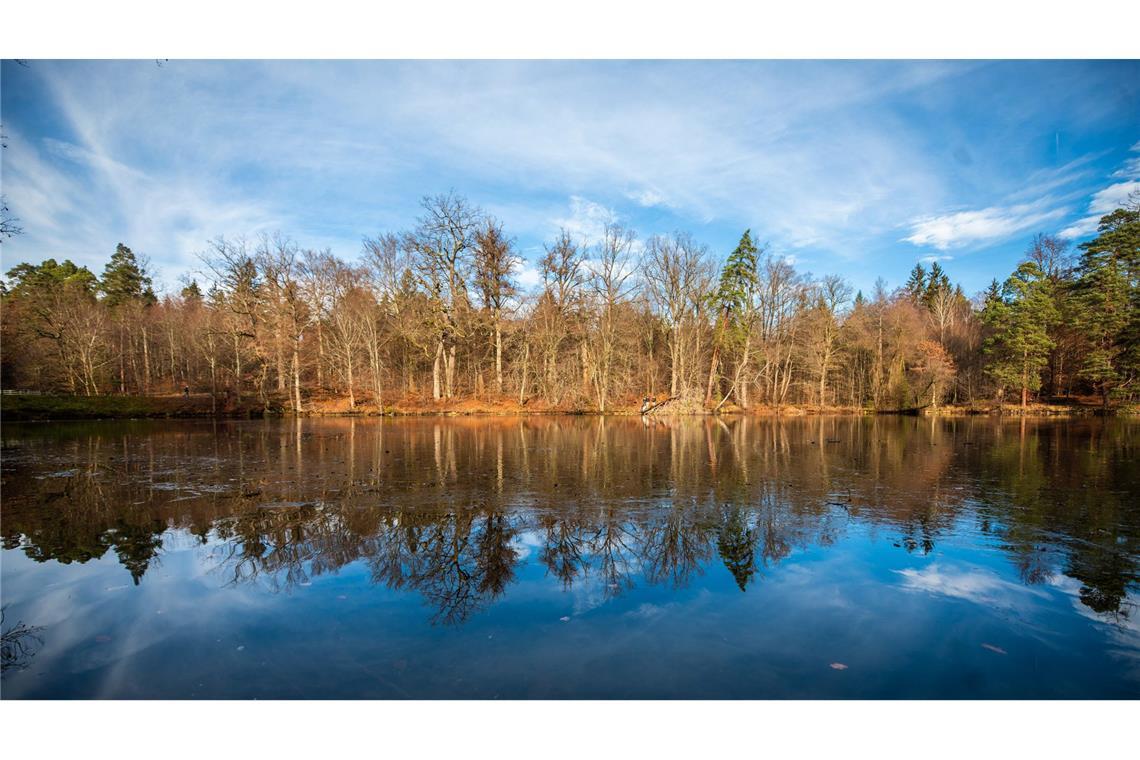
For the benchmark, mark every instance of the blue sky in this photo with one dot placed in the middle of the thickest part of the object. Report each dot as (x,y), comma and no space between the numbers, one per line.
(854,168)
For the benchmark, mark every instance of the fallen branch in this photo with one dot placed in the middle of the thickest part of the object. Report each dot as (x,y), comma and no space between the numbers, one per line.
(647,409)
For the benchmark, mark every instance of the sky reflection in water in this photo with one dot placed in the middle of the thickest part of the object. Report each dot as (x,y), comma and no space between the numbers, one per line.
(564,557)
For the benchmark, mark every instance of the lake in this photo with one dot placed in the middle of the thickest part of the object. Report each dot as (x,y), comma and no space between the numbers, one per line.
(572,557)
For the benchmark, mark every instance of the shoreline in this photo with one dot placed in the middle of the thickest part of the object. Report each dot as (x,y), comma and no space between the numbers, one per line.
(43,408)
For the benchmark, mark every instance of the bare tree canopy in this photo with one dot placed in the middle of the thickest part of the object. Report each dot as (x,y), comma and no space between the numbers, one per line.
(436,316)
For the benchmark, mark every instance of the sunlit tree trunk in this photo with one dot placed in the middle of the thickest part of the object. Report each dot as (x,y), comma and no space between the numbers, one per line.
(436,388)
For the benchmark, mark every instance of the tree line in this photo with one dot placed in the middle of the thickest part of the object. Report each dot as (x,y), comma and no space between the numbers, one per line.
(436,315)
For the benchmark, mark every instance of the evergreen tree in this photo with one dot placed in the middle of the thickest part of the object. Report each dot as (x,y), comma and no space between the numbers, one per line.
(993,292)
(738,278)
(1107,300)
(737,283)
(1019,319)
(936,282)
(192,293)
(28,278)
(916,285)
(736,544)
(124,280)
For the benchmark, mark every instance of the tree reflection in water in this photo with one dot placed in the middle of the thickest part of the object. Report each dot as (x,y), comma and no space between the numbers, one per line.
(445,509)
(18,643)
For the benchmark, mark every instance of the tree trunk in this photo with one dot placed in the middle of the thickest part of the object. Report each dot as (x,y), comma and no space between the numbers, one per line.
(436,389)
(122,362)
(280,364)
(715,358)
(449,371)
(213,384)
(237,367)
(522,382)
(173,361)
(146,361)
(296,379)
(822,383)
(348,377)
(674,361)
(320,355)
(498,358)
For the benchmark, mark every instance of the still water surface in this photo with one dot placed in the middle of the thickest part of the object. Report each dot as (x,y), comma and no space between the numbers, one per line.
(570,557)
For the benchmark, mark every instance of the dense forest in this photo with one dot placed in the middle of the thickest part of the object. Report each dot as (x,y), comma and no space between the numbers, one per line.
(435,317)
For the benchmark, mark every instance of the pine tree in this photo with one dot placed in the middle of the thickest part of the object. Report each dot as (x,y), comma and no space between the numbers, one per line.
(737,282)
(916,286)
(1107,301)
(736,544)
(1019,319)
(26,278)
(124,280)
(192,292)
(936,283)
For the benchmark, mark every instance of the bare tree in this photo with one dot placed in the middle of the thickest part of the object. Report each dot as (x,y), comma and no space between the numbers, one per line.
(677,274)
(9,225)
(351,310)
(556,313)
(280,262)
(495,262)
(611,283)
(441,245)
(822,329)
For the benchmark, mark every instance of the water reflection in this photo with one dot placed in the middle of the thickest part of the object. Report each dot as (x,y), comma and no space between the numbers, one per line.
(18,643)
(450,509)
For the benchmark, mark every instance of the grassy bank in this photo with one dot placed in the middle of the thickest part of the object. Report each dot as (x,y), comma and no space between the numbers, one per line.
(21,407)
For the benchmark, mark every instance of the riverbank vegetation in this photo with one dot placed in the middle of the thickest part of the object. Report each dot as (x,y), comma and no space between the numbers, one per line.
(435,319)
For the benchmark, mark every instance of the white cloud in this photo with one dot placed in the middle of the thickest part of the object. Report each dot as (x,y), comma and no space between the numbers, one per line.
(528,275)
(1112,197)
(807,154)
(587,220)
(986,225)
(931,259)
(647,198)
(972,584)
(1103,202)
(76,202)
(1086,226)
(1131,168)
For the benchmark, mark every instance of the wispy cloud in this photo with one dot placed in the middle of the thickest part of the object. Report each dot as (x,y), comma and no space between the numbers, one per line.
(969,583)
(587,220)
(1109,199)
(647,197)
(165,219)
(826,160)
(988,225)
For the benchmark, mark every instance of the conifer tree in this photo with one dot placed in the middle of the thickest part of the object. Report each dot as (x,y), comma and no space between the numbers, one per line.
(1019,319)
(1107,298)
(737,283)
(125,280)
(936,282)
(916,285)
